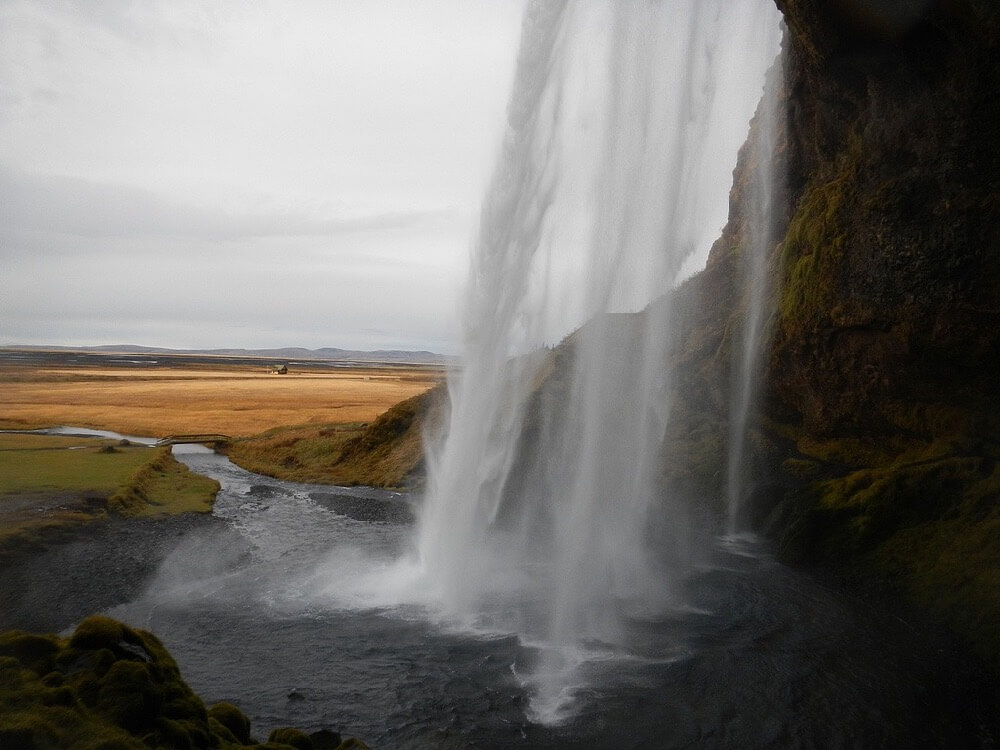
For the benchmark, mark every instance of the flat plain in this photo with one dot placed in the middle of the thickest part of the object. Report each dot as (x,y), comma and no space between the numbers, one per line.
(49,484)
(201,396)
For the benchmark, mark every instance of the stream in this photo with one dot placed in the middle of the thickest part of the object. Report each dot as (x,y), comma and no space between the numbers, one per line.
(276,610)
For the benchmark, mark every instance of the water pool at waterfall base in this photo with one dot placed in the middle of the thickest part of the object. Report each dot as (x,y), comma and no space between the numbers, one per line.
(269,610)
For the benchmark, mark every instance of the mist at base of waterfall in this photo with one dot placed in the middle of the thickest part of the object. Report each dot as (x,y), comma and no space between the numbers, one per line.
(545,512)
(302,611)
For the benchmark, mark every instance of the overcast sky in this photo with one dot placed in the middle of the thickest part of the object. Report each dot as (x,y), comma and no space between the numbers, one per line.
(245,174)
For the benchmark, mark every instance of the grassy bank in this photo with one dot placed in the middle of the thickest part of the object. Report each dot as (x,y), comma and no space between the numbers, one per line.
(388,452)
(53,482)
(58,463)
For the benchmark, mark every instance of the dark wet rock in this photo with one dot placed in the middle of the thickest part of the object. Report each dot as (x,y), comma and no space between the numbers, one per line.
(369,509)
(264,492)
(882,394)
(874,453)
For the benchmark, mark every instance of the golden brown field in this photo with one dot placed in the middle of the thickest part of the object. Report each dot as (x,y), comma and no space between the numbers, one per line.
(231,400)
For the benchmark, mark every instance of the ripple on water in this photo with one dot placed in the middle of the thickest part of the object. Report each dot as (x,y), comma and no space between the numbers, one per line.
(294,595)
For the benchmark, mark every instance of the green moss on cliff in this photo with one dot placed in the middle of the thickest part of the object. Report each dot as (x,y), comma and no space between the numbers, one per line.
(952,567)
(814,243)
(390,452)
(927,519)
(882,376)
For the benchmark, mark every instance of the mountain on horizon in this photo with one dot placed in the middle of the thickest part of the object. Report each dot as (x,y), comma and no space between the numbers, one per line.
(289,352)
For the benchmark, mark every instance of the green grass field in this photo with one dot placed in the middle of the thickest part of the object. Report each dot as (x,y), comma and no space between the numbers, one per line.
(55,463)
(53,482)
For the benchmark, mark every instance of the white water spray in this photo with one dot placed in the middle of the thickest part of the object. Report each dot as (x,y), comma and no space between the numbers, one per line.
(544,499)
(759,238)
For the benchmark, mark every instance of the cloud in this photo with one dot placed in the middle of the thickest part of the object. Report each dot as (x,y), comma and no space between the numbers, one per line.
(111,264)
(55,205)
(166,166)
(239,298)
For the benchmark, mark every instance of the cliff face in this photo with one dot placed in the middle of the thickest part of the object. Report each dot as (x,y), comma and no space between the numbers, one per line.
(876,445)
(891,260)
(880,425)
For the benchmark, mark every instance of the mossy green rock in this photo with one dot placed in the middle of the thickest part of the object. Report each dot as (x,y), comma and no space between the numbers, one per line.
(232,719)
(112,687)
(295,738)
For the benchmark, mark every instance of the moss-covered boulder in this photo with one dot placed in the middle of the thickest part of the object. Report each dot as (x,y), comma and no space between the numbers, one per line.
(293,737)
(112,687)
(232,720)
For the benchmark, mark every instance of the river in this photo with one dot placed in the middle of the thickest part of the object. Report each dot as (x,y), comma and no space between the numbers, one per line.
(274,609)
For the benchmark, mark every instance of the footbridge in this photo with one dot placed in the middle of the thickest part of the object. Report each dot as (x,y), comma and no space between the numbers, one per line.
(204,439)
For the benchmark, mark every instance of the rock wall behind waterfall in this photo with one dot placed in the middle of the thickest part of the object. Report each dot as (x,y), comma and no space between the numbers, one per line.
(875,446)
(881,427)
(877,443)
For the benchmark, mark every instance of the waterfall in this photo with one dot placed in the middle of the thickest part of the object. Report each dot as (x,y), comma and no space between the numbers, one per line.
(544,510)
(759,237)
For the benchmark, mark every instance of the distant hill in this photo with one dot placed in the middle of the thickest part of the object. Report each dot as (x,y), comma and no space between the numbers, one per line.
(285,353)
